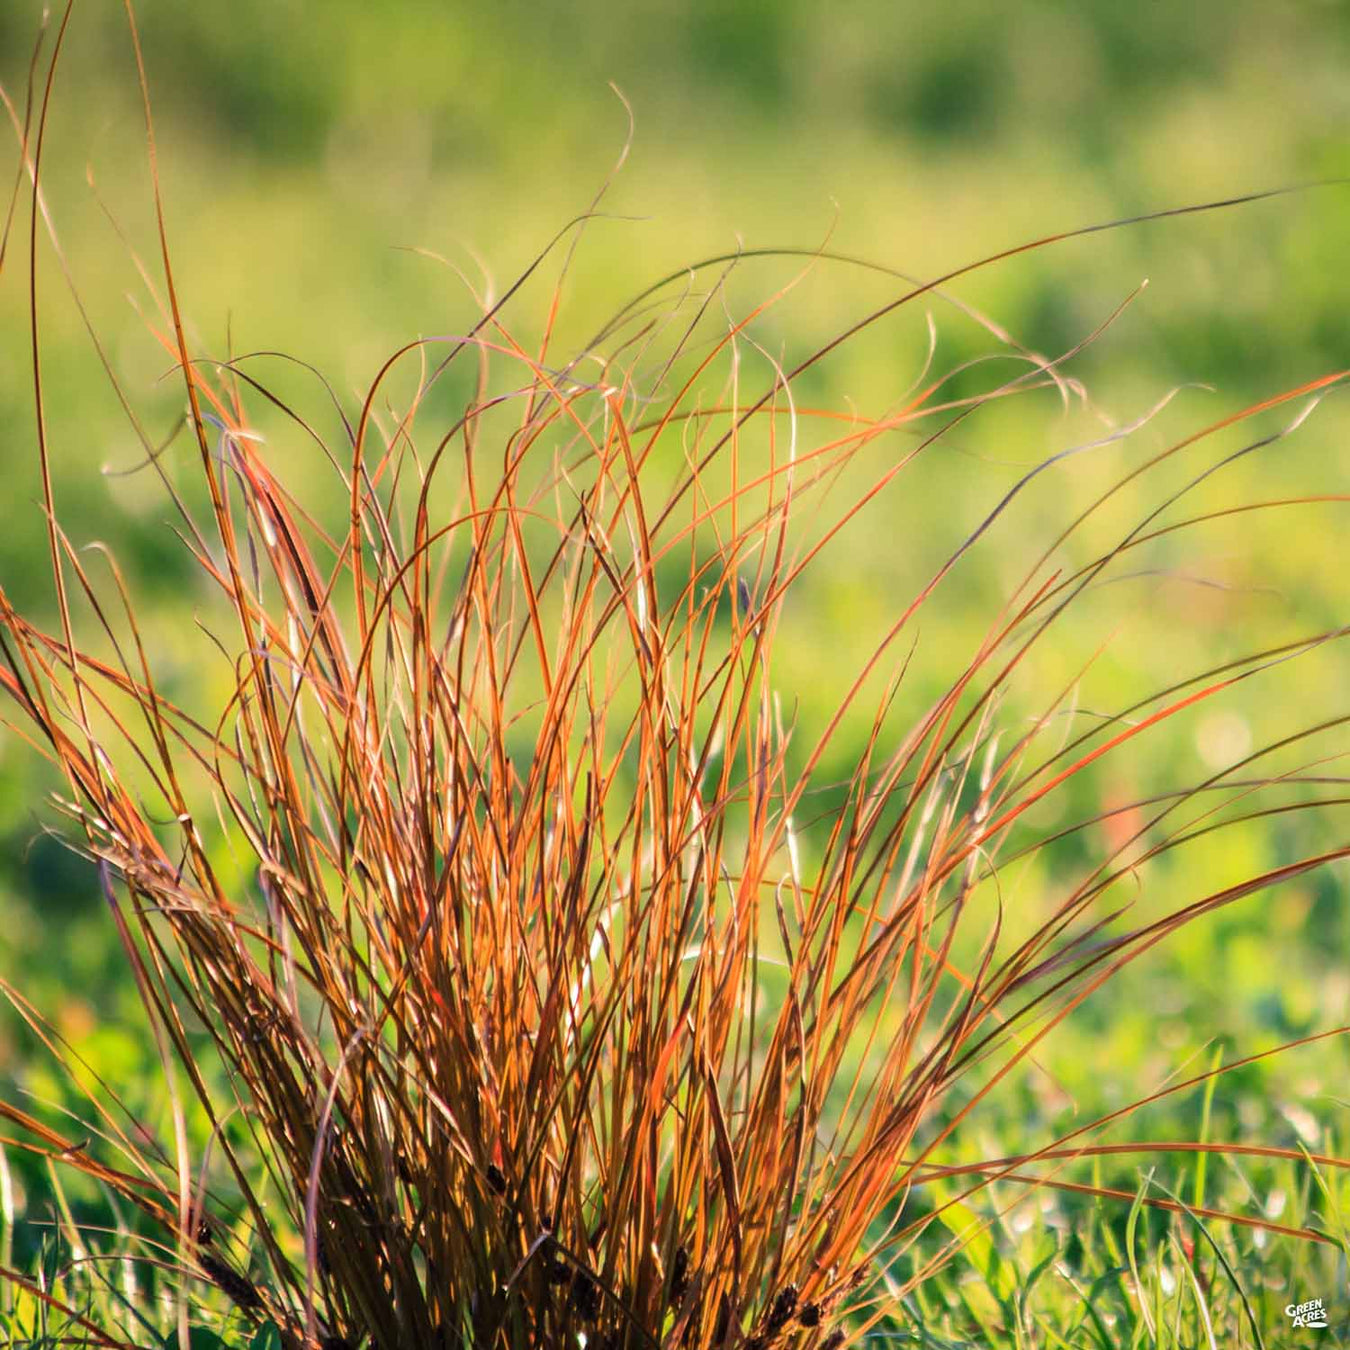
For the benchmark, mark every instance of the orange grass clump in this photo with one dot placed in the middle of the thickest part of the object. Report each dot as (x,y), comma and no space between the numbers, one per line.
(550,1009)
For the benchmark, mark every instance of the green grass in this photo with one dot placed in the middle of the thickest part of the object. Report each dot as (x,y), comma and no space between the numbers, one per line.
(1064,1273)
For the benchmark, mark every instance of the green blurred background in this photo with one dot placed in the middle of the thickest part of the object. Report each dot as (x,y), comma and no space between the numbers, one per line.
(304,149)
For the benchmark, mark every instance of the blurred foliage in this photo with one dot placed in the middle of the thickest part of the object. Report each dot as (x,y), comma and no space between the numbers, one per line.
(301,145)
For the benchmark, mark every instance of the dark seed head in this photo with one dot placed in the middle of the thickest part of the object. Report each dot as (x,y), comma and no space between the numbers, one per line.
(784,1305)
(205,1234)
(241,1291)
(495,1179)
(809,1315)
(679,1275)
(585,1295)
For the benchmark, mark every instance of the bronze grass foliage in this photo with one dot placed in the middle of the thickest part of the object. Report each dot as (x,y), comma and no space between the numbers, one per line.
(552,1009)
